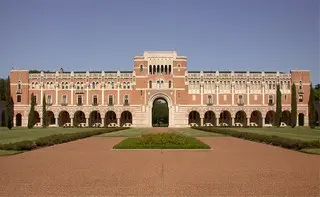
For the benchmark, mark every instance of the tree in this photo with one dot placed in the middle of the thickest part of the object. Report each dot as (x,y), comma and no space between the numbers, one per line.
(31,116)
(293,106)
(312,112)
(278,107)
(44,112)
(9,105)
(316,92)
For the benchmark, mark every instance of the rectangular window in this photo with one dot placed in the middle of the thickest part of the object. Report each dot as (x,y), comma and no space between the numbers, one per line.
(141,92)
(285,97)
(150,84)
(64,99)
(18,98)
(126,99)
(49,99)
(240,99)
(270,101)
(300,98)
(110,100)
(95,100)
(209,99)
(79,100)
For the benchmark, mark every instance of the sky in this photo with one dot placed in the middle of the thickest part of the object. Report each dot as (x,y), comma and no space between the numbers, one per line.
(226,35)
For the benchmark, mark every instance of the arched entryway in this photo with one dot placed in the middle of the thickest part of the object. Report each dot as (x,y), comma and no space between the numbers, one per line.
(110,117)
(79,117)
(194,117)
(270,118)
(286,117)
(126,117)
(301,119)
(64,117)
(50,120)
(209,117)
(18,120)
(94,118)
(241,118)
(225,118)
(36,117)
(256,117)
(160,113)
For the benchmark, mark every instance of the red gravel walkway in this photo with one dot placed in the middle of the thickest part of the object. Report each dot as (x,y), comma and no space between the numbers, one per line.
(88,167)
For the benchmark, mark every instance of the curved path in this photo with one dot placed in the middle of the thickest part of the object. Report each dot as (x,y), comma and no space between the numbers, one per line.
(89,167)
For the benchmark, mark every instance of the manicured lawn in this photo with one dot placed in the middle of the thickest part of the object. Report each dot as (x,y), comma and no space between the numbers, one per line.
(20,134)
(300,133)
(9,152)
(135,132)
(162,141)
(311,150)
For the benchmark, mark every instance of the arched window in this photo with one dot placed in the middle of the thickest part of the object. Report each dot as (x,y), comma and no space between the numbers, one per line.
(150,84)
(19,85)
(150,69)
(169,69)
(169,84)
(141,68)
(124,85)
(93,85)
(66,85)
(128,85)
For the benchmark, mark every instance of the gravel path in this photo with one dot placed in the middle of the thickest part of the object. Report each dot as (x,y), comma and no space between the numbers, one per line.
(89,167)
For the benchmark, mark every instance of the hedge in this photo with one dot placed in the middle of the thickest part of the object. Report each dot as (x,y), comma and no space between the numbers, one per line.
(55,139)
(293,144)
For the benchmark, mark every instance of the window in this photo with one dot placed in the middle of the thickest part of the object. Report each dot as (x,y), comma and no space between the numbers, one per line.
(18,98)
(110,100)
(93,85)
(141,68)
(150,84)
(126,99)
(64,99)
(255,97)
(95,100)
(79,100)
(300,98)
(240,99)
(19,85)
(141,92)
(285,97)
(128,85)
(288,85)
(49,99)
(169,84)
(270,101)
(300,85)
(209,99)
(112,85)
(124,85)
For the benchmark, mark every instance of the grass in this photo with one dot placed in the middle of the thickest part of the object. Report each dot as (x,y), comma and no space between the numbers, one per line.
(136,132)
(162,141)
(20,134)
(299,133)
(311,150)
(9,152)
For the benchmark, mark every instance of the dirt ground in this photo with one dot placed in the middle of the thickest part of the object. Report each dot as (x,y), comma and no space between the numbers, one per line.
(90,167)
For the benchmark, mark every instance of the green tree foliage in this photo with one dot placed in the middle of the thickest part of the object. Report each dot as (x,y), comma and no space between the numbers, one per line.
(3,87)
(160,112)
(316,92)
(44,112)
(9,104)
(278,107)
(312,112)
(31,116)
(293,106)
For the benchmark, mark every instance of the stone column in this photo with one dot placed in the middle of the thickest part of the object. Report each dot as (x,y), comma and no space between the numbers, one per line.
(57,121)
(306,121)
(71,122)
(248,121)
(232,121)
(217,121)
(297,122)
(201,121)
(118,122)
(102,121)
(87,122)
(263,121)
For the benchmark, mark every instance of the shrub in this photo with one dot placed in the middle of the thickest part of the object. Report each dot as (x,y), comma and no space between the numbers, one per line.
(267,139)
(55,139)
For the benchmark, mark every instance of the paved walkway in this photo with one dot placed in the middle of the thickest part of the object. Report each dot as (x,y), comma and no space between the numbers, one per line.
(89,167)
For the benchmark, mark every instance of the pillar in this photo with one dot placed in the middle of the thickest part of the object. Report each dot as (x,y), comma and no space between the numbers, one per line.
(248,121)
(306,121)
(248,95)
(232,121)
(102,121)
(87,122)
(102,97)
(263,121)
(232,92)
(57,95)
(57,121)
(297,122)
(71,122)
(201,121)
(217,94)
(118,122)
(217,121)
(87,99)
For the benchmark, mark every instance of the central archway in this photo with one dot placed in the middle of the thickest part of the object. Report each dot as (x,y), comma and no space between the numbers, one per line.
(160,112)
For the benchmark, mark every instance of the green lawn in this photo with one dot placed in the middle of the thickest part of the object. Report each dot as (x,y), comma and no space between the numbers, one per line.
(311,150)
(9,152)
(135,132)
(162,141)
(20,134)
(301,133)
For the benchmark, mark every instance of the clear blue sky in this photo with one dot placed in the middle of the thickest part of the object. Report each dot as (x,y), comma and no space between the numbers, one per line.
(82,35)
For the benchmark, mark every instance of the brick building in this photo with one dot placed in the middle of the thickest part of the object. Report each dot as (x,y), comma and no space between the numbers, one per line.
(193,97)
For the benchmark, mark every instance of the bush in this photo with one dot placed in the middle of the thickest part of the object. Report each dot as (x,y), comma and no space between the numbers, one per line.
(293,144)
(162,141)
(55,139)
